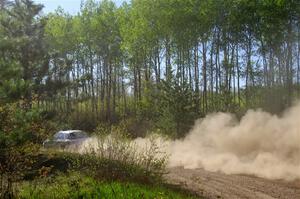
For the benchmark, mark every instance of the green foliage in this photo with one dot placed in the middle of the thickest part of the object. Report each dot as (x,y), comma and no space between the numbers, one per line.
(155,65)
(21,132)
(19,127)
(84,120)
(23,61)
(179,108)
(75,185)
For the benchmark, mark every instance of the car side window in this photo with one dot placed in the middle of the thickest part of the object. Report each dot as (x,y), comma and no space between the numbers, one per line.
(80,135)
(72,136)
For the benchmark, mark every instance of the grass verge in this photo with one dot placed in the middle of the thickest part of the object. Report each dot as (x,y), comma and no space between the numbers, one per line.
(75,185)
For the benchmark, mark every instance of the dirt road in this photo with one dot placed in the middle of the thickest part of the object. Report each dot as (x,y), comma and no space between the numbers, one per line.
(218,185)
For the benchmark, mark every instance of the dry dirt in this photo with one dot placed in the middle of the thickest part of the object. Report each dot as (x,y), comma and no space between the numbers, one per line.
(218,185)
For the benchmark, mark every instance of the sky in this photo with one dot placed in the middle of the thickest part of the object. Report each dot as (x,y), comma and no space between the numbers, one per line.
(71,6)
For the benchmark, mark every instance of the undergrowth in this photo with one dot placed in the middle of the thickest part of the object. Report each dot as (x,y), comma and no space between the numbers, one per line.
(75,185)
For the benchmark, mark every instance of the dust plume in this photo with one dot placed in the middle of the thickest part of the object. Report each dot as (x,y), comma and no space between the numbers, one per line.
(259,144)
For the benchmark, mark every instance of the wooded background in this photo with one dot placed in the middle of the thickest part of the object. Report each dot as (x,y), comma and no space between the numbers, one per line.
(160,63)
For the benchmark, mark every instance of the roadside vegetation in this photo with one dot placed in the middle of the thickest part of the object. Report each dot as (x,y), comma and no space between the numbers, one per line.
(75,185)
(111,166)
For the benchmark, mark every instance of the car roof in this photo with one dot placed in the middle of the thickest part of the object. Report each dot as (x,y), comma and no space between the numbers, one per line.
(70,131)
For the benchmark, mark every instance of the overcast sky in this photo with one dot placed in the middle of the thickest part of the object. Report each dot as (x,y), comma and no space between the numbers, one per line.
(71,6)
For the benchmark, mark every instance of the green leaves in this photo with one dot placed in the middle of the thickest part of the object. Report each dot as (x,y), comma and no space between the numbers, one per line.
(22,48)
(178,108)
(19,127)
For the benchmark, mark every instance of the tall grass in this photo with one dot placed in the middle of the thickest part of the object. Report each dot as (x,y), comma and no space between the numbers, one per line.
(75,185)
(115,157)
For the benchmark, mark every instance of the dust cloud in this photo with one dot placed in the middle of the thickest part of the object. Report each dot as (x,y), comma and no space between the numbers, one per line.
(259,144)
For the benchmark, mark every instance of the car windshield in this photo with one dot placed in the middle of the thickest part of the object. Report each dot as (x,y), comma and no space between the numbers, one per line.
(59,136)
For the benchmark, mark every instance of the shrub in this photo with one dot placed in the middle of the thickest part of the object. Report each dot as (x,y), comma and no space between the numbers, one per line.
(83,120)
(115,157)
(130,126)
(21,131)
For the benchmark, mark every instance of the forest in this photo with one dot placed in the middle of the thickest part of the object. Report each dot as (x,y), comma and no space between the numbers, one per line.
(163,62)
(145,66)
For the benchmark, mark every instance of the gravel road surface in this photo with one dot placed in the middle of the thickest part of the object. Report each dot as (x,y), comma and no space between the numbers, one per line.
(218,185)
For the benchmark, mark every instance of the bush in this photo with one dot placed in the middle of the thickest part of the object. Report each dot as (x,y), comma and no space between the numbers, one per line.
(83,120)
(130,126)
(115,157)
(21,131)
